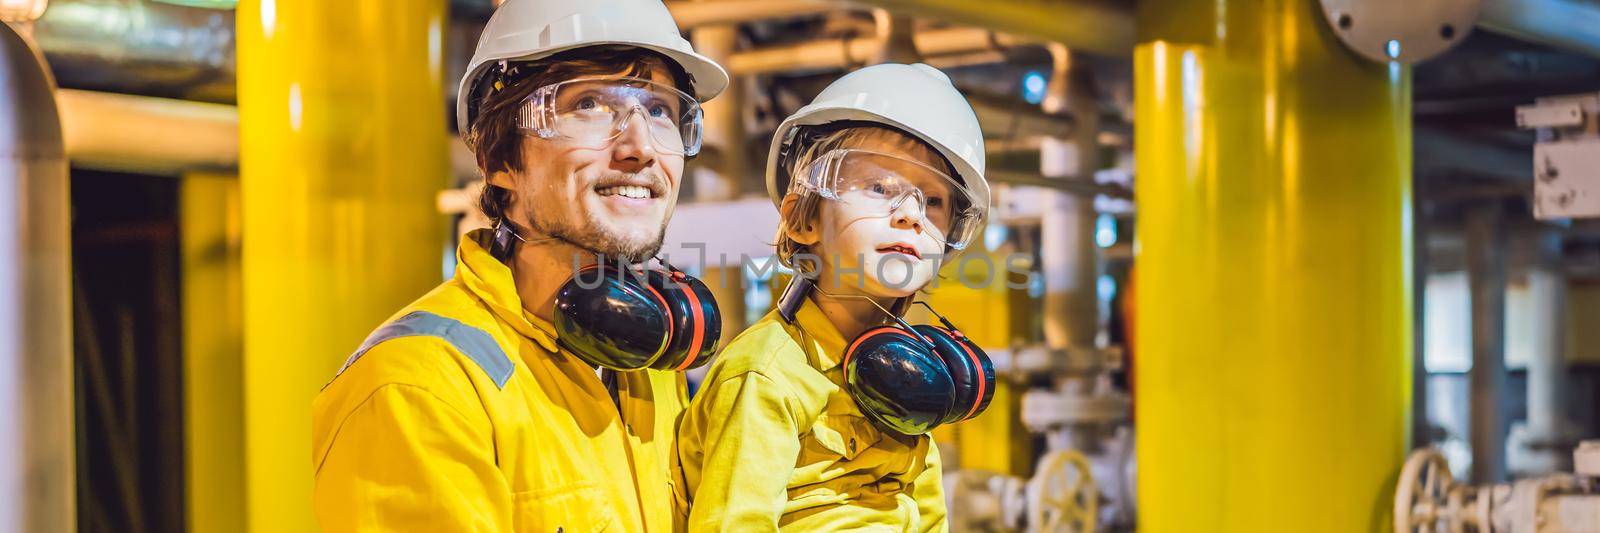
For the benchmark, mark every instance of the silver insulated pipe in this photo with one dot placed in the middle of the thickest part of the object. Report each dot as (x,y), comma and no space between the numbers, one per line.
(36,442)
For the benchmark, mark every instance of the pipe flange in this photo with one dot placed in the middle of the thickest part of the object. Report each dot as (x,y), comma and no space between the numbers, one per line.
(1042,411)
(1040,360)
(1407,32)
(1586,459)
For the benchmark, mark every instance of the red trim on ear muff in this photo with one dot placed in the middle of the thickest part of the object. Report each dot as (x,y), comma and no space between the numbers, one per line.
(698,315)
(864,336)
(977,367)
(665,309)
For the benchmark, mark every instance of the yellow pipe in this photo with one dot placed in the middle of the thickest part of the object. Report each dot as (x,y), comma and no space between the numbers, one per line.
(1274,249)
(213,388)
(342,150)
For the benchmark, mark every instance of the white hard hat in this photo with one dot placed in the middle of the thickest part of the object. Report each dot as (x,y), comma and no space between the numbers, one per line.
(526,30)
(917,99)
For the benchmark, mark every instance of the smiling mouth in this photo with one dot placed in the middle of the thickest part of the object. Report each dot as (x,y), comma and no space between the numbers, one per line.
(900,249)
(636,192)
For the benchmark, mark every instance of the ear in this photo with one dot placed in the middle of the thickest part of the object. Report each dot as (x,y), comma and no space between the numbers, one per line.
(805,232)
(501,179)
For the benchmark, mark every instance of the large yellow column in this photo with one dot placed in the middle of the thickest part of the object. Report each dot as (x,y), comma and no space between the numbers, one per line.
(1274,249)
(342,134)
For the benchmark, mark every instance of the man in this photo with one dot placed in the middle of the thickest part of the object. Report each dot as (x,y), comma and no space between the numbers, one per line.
(463,412)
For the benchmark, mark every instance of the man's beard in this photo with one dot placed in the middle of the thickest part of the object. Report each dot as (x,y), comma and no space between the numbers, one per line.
(593,238)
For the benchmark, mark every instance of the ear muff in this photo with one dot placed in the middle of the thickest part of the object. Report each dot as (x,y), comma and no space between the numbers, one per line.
(904,385)
(607,318)
(696,321)
(896,381)
(665,320)
(971,372)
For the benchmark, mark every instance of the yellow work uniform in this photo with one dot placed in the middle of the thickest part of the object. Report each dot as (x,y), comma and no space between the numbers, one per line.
(774,442)
(461,414)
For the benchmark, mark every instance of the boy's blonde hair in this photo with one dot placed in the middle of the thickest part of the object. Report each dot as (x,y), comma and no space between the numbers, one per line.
(801,208)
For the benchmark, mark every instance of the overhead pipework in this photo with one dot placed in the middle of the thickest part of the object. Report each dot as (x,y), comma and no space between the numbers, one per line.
(36,402)
(140,47)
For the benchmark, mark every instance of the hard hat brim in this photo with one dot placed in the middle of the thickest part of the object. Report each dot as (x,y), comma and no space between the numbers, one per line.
(778,179)
(708,79)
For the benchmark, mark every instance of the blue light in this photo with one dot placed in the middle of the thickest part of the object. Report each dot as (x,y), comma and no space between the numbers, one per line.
(1033,86)
(1105,230)
(1393,48)
(994,235)
(1035,286)
(1107,287)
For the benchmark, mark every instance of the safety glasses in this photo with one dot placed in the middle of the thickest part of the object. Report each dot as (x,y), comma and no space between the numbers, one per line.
(593,112)
(886,184)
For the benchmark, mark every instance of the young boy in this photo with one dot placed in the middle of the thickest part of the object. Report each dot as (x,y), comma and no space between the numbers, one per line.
(880,177)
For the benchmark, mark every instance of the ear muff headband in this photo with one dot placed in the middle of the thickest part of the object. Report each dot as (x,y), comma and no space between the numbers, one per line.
(880,330)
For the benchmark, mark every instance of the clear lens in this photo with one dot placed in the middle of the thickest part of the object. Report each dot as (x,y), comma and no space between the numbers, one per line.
(886,183)
(594,112)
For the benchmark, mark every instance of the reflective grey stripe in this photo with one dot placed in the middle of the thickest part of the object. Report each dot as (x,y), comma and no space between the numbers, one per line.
(473,342)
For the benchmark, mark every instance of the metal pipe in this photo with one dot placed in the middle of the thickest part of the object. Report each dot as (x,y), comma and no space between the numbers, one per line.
(140,47)
(1101,27)
(854,51)
(899,37)
(724,117)
(161,136)
(1565,24)
(1486,277)
(1547,289)
(999,119)
(1014,127)
(732,175)
(1543,440)
(1422,432)
(822,54)
(1068,184)
(147,135)
(175,51)
(1070,266)
(693,14)
(36,403)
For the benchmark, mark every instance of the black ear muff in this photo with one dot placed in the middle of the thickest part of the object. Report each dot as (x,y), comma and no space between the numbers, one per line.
(897,381)
(696,322)
(971,372)
(608,318)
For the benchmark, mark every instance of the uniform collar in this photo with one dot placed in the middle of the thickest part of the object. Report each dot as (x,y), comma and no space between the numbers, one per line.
(491,281)
(826,343)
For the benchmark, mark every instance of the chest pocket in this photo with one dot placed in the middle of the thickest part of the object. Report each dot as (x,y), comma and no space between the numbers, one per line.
(578,508)
(842,436)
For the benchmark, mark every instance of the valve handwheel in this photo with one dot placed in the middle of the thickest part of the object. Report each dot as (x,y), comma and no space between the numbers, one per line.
(1422,495)
(1062,496)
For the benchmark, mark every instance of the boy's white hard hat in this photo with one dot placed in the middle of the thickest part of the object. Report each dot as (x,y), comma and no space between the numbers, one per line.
(917,99)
